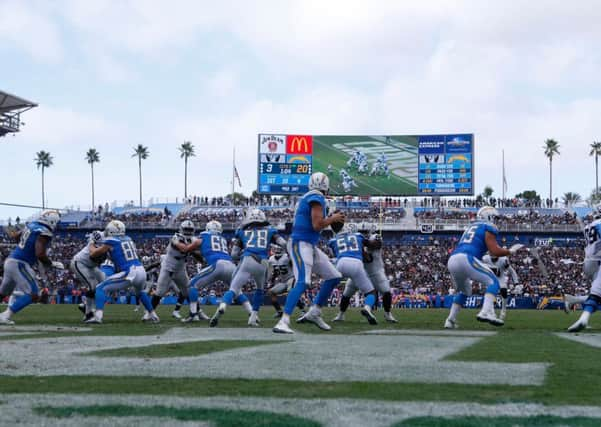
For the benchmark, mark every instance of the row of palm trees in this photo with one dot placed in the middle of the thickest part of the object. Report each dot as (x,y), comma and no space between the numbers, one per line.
(44,160)
(551,148)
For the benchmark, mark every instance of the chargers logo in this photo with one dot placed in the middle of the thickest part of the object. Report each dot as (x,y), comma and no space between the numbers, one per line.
(458,158)
(298,159)
(299,144)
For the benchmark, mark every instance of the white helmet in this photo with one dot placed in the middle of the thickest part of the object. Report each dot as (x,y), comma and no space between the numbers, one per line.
(277,250)
(49,218)
(487,213)
(96,236)
(214,227)
(597,211)
(187,228)
(319,181)
(114,228)
(348,227)
(255,216)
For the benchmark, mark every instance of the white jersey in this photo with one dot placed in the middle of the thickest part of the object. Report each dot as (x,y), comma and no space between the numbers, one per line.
(173,259)
(83,257)
(592,233)
(501,268)
(374,264)
(281,267)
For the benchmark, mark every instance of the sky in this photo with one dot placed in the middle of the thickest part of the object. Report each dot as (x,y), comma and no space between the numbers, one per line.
(114,74)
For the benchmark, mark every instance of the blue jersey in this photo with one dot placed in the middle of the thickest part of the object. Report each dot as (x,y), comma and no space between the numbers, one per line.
(107,268)
(256,241)
(302,229)
(347,245)
(25,250)
(214,247)
(123,252)
(473,240)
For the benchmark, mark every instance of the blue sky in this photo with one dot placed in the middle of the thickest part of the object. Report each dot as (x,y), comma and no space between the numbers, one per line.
(112,74)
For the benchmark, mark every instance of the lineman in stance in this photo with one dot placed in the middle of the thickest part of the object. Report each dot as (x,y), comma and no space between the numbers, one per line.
(130,272)
(87,270)
(280,272)
(592,259)
(348,249)
(465,264)
(173,273)
(18,267)
(253,239)
(374,266)
(214,249)
(309,219)
(502,269)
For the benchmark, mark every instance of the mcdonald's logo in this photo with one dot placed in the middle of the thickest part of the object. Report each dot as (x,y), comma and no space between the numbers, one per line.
(299,144)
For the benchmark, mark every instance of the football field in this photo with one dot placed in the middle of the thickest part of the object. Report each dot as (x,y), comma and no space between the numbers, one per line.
(54,370)
(401,153)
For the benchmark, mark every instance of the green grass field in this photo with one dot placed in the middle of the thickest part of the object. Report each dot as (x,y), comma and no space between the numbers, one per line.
(573,376)
(324,154)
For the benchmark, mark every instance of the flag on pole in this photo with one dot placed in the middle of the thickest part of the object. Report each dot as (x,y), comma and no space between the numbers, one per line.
(504,176)
(237,176)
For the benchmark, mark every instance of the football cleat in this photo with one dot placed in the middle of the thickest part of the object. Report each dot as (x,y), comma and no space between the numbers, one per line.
(82,307)
(94,320)
(577,327)
(366,312)
(489,318)
(151,317)
(192,318)
(316,319)
(4,320)
(215,319)
(202,315)
(339,317)
(451,324)
(282,328)
(390,318)
(176,314)
(88,316)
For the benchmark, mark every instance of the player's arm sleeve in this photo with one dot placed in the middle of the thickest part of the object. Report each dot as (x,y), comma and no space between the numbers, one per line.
(279,240)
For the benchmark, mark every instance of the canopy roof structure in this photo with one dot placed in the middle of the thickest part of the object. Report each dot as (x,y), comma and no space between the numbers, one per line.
(11,107)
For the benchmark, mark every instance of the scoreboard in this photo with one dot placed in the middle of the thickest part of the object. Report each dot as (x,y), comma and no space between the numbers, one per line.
(445,164)
(285,163)
(368,165)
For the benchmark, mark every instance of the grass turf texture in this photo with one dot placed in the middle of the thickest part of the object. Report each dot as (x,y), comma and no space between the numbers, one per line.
(538,421)
(179,349)
(217,417)
(573,377)
(325,154)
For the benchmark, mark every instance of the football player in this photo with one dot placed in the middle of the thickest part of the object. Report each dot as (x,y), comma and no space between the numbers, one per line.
(592,259)
(280,273)
(18,266)
(310,218)
(465,264)
(374,266)
(214,249)
(87,271)
(129,270)
(347,246)
(502,269)
(173,273)
(253,238)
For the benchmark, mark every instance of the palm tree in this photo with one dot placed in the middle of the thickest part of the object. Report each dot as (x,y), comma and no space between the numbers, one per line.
(43,160)
(141,153)
(186,150)
(570,198)
(551,148)
(596,151)
(92,156)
